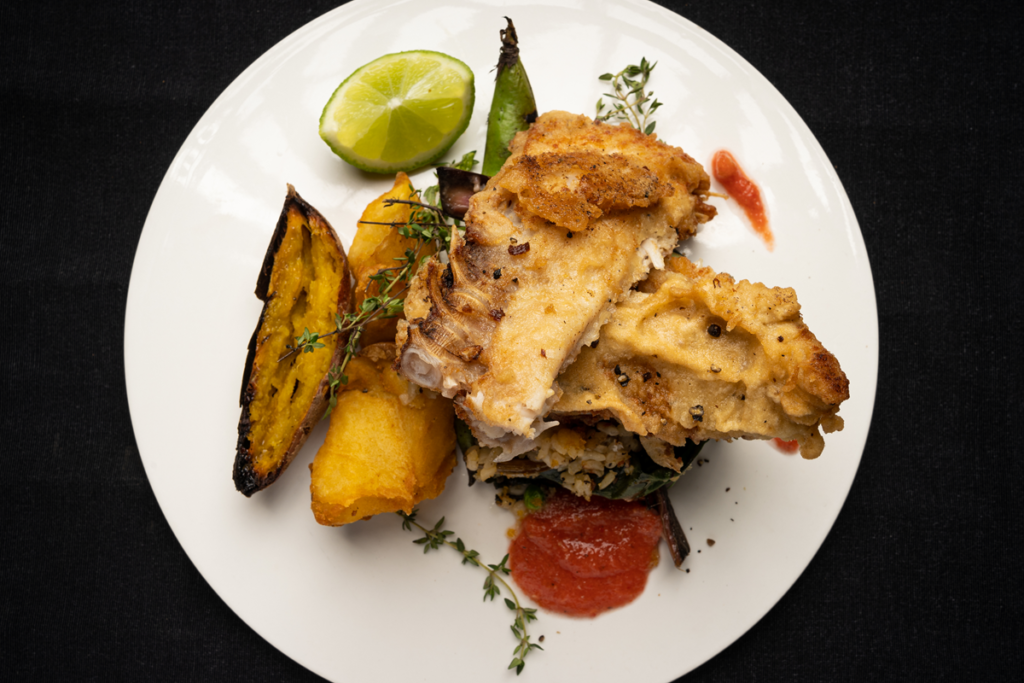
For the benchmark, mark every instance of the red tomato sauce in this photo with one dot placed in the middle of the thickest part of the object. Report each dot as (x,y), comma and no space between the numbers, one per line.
(583,558)
(786,446)
(728,173)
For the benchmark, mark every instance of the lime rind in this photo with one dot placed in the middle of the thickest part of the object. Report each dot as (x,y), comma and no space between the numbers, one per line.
(399,112)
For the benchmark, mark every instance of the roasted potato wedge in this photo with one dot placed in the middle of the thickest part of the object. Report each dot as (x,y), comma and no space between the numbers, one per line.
(376,246)
(303,283)
(390,444)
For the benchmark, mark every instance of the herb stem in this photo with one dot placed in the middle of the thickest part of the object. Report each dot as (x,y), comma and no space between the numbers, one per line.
(630,102)
(434,538)
(427,224)
(395,224)
(430,207)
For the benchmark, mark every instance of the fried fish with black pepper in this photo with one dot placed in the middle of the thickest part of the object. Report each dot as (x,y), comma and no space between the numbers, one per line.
(693,354)
(579,213)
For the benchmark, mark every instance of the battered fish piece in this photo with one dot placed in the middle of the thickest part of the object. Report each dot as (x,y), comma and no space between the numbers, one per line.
(693,354)
(579,213)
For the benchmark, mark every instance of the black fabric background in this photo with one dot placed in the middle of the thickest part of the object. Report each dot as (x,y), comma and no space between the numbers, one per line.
(918,106)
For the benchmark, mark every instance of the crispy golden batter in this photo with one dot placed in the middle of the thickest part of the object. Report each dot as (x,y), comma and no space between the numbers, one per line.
(695,355)
(390,445)
(572,189)
(571,159)
(578,214)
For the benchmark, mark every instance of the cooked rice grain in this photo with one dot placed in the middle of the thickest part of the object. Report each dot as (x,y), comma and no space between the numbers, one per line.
(582,455)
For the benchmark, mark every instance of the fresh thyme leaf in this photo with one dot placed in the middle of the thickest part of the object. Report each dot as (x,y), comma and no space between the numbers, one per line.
(307,342)
(428,226)
(436,536)
(466,163)
(408,518)
(629,100)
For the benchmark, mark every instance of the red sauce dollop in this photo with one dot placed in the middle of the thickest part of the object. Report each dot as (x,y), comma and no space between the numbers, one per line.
(583,558)
(727,171)
(786,446)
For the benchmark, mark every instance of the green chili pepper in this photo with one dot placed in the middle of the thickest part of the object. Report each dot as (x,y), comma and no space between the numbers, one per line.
(513,108)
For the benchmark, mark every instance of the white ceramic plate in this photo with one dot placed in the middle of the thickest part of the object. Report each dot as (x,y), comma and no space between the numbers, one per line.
(362,602)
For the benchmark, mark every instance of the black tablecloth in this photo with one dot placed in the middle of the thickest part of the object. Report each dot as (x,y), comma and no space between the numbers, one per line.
(918,107)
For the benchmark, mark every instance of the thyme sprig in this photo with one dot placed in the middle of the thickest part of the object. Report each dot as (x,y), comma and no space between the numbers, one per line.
(435,537)
(630,101)
(427,224)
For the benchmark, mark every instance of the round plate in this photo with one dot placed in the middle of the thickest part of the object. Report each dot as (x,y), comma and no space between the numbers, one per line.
(362,602)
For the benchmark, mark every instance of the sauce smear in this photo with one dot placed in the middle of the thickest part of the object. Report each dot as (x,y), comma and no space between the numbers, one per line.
(583,558)
(788,447)
(728,173)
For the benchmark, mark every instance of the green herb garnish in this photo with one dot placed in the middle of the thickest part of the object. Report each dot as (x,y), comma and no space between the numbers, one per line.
(427,225)
(630,102)
(437,536)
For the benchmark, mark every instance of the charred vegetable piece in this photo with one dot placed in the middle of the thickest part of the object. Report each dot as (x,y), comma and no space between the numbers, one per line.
(456,187)
(687,453)
(671,529)
(513,108)
(304,284)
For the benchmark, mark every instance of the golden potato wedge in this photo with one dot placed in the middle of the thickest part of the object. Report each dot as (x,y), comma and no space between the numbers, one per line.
(303,283)
(376,245)
(389,446)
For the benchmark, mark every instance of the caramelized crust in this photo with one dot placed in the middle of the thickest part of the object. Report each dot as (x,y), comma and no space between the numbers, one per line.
(572,189)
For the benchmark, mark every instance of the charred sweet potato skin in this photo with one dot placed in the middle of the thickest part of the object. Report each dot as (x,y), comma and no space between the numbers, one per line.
(303,282)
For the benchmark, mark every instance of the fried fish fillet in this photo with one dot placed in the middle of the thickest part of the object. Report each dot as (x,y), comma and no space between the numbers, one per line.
(578,214)
(693,354)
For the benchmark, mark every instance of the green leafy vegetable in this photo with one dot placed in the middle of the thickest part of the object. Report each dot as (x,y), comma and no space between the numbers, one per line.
(463,435)
(641,477)
(533,498)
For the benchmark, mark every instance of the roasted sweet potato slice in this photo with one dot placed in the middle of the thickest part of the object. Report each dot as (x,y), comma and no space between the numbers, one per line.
(303,283)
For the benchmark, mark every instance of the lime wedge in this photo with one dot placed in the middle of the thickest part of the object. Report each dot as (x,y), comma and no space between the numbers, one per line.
(399,112)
